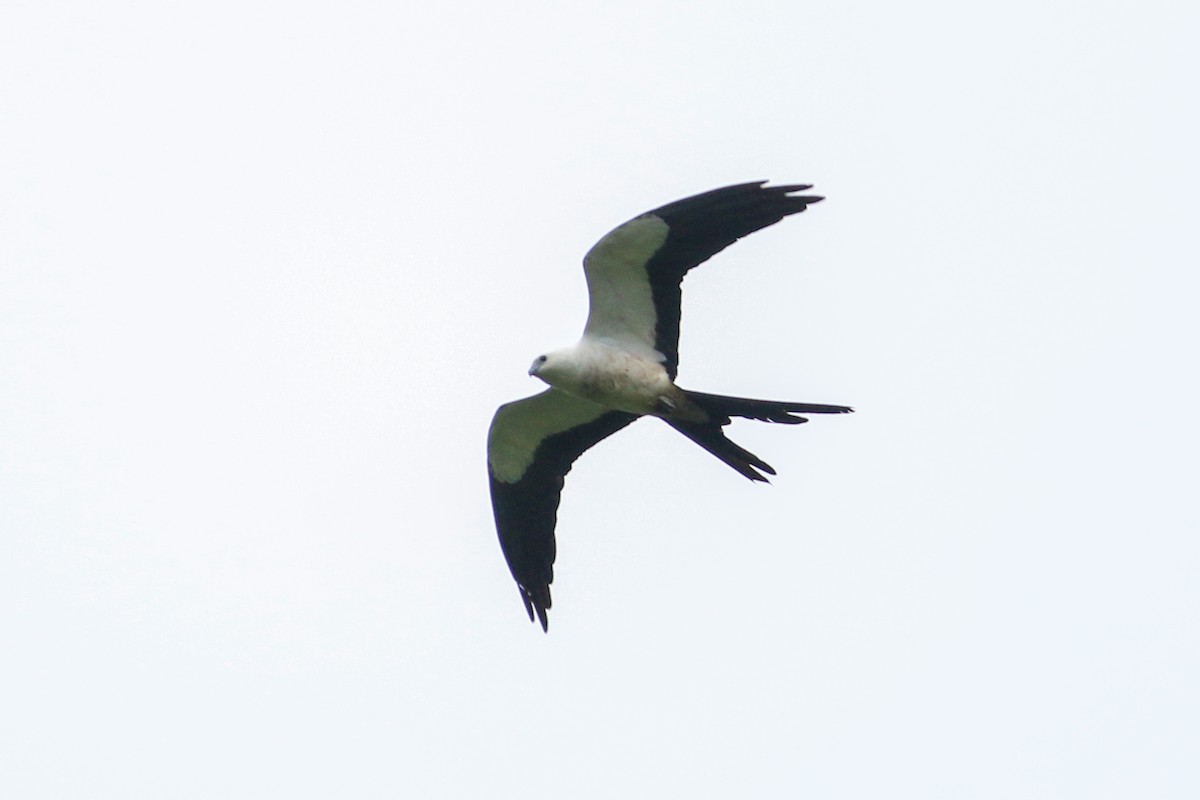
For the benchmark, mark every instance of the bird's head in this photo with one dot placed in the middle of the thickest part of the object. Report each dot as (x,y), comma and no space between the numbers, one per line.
(548,366)
(537,364)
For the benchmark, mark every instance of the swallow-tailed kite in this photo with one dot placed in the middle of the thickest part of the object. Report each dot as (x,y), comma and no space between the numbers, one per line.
(624,368)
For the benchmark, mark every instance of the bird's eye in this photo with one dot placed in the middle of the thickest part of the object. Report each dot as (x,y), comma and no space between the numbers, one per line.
(541,359)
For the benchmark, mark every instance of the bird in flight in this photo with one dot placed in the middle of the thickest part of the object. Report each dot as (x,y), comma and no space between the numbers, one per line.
(624,368)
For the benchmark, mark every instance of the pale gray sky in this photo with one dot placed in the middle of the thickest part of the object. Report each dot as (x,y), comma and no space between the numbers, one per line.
(266,272)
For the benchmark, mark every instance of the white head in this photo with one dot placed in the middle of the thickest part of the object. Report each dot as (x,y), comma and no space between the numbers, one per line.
(551,366)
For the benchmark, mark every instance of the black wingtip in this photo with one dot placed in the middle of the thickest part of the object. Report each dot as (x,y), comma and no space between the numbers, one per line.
(533,608)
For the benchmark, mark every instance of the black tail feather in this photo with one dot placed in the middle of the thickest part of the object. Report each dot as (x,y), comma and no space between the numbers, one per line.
(712,438)
(763,410)
(720,409)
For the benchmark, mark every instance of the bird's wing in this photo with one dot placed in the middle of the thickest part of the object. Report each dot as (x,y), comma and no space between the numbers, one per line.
(531,446)
(634,271)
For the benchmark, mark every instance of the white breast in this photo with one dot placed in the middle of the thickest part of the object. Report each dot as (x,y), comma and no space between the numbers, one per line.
(612,376)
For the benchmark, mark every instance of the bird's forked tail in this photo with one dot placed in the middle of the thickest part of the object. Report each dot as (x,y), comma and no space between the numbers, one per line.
(720,409)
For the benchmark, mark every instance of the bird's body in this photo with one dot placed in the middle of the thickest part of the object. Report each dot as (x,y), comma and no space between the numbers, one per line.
(623,368)
(605,373)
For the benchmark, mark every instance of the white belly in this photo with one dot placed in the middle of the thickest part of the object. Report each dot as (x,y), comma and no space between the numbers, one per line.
(616,378)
